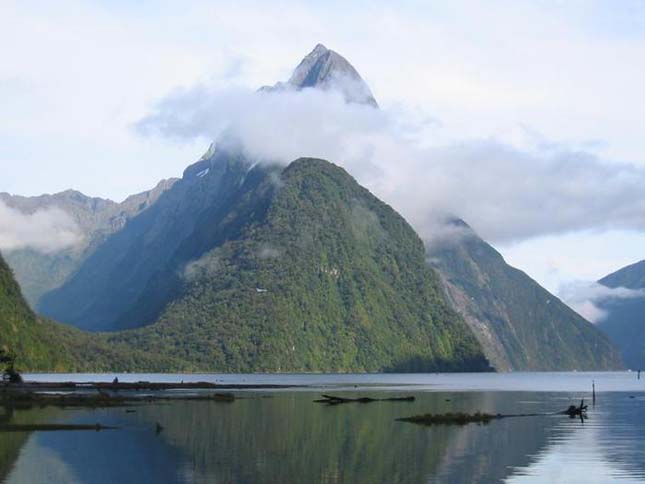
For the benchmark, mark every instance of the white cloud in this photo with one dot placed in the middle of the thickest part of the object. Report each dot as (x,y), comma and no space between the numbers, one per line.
(46,230)
(206,266)
(505,193)
(586,255)
(77,73)
(586,298)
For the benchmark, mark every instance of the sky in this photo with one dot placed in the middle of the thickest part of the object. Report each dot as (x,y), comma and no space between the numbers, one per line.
(522,117)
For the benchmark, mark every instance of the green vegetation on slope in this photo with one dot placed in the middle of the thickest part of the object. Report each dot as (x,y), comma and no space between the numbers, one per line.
(43,345)
(295,270)
(20,331)
(304,270)
(314,273)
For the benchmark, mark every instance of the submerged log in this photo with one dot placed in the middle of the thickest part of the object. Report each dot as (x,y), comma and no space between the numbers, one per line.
(334,400)
(450,418)
(138,386)
(29,399)
(52,427)
(101,398)
(216,397)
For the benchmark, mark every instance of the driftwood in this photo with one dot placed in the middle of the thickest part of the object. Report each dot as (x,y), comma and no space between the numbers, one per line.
(461,418)
(334,400)
(458,418)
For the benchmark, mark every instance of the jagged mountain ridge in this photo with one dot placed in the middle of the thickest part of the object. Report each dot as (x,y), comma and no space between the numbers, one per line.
(625,320)
(95,218)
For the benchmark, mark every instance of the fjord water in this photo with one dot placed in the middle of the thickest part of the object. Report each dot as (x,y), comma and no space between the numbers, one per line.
(282,436)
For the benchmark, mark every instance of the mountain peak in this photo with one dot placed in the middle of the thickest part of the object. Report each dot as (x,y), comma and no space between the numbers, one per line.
(326,69)
(631,277)
(319,49)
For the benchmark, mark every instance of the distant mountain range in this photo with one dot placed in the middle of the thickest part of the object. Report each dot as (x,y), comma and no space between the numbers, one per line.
(625,320)
(240,266)
(96,219)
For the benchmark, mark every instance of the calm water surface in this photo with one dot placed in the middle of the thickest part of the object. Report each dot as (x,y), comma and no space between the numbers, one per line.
(283,437)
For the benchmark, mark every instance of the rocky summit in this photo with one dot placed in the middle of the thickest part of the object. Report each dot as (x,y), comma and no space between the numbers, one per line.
(325,69)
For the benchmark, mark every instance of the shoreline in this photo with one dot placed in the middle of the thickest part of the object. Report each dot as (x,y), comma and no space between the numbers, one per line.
(139,386)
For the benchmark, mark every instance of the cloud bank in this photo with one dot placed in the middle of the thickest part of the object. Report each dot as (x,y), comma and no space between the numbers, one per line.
(46,230)
(586,298)
(507,192)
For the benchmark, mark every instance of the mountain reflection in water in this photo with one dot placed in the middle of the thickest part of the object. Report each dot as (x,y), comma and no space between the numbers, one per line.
(284,437)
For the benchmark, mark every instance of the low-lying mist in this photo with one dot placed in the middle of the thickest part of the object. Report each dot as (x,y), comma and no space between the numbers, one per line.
(47,230)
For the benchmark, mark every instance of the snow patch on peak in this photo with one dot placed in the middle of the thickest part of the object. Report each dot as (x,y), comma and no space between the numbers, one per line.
(209,152)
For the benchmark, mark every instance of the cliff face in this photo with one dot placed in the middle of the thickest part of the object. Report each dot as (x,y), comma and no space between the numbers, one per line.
(520,325)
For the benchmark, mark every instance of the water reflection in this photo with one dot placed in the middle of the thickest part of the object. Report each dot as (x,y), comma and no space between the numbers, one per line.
(285,437)
(609,447)
(11,443)
(622,437)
